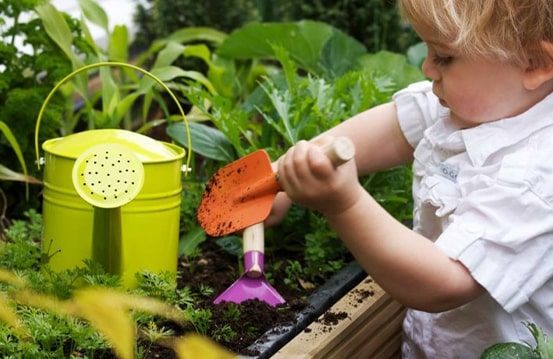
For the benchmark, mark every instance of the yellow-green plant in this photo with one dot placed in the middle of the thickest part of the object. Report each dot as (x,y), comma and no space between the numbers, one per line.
(107,310)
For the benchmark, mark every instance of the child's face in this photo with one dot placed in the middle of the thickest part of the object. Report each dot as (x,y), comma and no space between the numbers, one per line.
(475,89)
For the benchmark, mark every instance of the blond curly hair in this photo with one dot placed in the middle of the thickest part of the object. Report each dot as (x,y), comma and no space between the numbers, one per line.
(508,30)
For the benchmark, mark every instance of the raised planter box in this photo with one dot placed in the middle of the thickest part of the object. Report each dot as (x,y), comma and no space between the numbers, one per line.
(372,328)
(350,317)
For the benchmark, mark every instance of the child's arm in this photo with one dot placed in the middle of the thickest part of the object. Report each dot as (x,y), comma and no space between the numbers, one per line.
(379,144)
(408,266)
(411,268)
(379,141)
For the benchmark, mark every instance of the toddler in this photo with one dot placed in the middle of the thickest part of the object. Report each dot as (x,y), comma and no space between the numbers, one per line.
(478,262)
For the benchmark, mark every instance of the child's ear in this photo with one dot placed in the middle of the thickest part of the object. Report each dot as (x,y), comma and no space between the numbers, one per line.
(536,76)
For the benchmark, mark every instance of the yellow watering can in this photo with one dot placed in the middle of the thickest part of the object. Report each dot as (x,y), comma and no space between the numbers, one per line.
(112,196)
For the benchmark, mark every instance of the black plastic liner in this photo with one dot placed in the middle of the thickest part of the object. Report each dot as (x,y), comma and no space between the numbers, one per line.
(319,301)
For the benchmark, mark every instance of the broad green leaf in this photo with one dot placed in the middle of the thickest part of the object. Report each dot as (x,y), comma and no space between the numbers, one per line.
(118,47)
(169,73)
(304,40)
(231,244)
(206,141)
(340,54)
(56,27)
(5,130)
(313,45)
(150,124)
(392,66)
(416,54)
(200,51)
(95,13)
(509,351)
(169,54)
(123,106)
(194,34)
(6,173)
(110,95)
(191,240)
(87,35)
(222,74)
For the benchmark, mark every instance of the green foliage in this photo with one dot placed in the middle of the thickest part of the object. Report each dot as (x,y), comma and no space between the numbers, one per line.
(31,64)
(163,286)
(31,72)
(200,319)
(61,313)
(315,46)
(375,23)
(25,253)
(290,105)
(542,350)
(224,334)
(159,18)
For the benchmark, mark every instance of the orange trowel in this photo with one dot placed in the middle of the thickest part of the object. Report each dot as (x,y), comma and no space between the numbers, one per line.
(241,193)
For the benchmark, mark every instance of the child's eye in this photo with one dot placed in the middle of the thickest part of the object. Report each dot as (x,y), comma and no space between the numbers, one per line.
(442,60)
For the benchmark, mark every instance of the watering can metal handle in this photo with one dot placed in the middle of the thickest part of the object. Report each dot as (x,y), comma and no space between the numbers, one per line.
(112,64)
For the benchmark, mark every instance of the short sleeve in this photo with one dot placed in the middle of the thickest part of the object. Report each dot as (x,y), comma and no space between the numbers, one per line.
(417,109)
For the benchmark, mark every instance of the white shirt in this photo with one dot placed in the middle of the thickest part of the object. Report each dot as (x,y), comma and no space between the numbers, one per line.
(485,196)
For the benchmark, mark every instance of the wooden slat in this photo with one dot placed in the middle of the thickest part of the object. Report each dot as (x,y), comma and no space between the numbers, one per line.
(372,329)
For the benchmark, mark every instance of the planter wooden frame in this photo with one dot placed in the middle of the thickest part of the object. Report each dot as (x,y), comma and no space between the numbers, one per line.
(371,330)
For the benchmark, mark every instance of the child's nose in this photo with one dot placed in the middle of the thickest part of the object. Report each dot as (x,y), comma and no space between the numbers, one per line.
(430,70)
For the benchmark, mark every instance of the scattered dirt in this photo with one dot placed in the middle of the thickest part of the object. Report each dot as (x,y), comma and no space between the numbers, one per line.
(359,295)
(332,318)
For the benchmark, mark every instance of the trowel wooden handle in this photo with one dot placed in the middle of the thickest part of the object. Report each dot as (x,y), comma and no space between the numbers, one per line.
(339,150)
(253,238)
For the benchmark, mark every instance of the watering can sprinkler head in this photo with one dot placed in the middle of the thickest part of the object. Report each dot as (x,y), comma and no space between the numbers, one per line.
(108,175)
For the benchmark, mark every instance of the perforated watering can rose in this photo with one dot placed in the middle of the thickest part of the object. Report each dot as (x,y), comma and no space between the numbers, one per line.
(113,196)
(108,175)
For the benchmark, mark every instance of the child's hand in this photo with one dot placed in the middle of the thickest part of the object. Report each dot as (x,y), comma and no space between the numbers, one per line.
(280,208)
(310,179)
